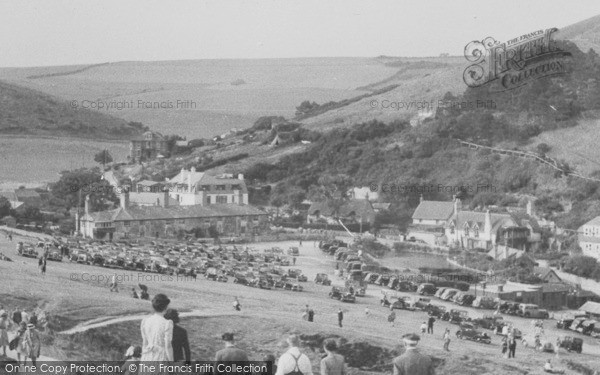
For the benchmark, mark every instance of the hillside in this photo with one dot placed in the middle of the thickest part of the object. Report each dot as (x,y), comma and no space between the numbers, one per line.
(586,34)
(272,86)
(28,112)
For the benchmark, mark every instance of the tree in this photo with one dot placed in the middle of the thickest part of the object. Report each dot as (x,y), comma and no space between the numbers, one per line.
(103,157)
(72,187)
(4,207)
(543,148)
(333,190)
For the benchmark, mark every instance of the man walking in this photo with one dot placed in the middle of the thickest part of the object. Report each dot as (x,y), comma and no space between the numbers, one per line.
(113,283)
(340,316)
(293,361)
(447,340)
(512,346)
(311,315)
(430,324)
(412,362)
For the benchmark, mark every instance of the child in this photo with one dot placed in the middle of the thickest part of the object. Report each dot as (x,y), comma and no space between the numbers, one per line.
(424,327)
(132,356)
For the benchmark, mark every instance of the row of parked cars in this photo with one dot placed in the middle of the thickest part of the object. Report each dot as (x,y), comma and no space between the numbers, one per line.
(579,323)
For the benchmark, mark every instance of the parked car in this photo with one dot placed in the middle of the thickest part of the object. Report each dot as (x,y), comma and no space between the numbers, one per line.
(587,327)
(322,279)
(240,279)
(564,323)
(439,292)
(293,251)
(335,293)
(436,311)
(348,297)
(482,302)
(488,321)
(402,304)
(530,310)
(426,289)
(503,328)
(406,286)
(468,331)
(572,344)
(449,293)
(459,316)
(466,300)
(576,324)
(420,302)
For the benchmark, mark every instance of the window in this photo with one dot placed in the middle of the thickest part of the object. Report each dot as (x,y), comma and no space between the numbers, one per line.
(466,230)
(127,223)
(235,187)
(476,231)
(221,199)
(452,229)
(220,187)
(208,200)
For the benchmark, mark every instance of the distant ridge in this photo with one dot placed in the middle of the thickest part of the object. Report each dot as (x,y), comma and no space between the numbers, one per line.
(58,74)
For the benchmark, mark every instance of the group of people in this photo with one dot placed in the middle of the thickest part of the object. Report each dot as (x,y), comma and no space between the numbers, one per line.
(27,341)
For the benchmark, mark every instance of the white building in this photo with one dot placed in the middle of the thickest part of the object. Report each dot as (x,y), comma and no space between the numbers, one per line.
(589,238)
(190,188)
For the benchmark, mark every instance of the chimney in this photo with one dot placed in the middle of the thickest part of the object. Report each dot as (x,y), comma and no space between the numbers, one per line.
(189,182)
(488,225)
(77,222)
(193,169)
(529,208)
(165,202)
(500,288)
(86,209)
(457,205)
(421,198)
(124,198)
(240,176)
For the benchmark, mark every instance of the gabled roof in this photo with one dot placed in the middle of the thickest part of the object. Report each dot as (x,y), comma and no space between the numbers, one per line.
(591,307)
(434,210)
(475,217)
(595,221)
(543,272)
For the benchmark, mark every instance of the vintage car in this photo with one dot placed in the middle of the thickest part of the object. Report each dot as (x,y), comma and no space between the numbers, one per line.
(348,297)
(572,344)
(293,251)
(292,286)
(468,331)
(503,328)
(488,321)
(297,274)
(406,286)
(241,279)
(564,323)
(55,256)
(426,289)
(436,311)
(465,300)
(335,293)
(402,304)
(459,316)
(420,302)
(322,279)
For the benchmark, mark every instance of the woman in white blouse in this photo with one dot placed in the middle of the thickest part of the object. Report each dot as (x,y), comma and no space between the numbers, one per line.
(157,333)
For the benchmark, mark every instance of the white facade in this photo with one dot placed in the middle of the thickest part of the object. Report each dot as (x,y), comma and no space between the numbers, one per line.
(589,238)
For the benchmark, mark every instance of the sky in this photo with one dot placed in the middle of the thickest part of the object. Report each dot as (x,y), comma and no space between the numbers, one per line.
(71,32)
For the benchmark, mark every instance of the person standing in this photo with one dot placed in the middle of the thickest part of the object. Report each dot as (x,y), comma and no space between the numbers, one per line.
(447,340)
(412,362)
(294,261)
(293,361)
(423,327)
(113,283)
(4,325)
(311,315)
(367,311)
(333,363)
(132,357)
(340,316)
(21,348)
(505,347)
(392,318)
(430,324)
(180,342)
(512,346)
(236,304)
(33,343)
(230,352)
(157,332)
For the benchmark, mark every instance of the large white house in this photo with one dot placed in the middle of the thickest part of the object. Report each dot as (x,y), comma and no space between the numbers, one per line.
(198,188)
(589,238)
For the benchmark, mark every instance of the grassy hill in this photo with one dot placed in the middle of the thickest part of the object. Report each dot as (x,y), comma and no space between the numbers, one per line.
(28,112)
(586,34)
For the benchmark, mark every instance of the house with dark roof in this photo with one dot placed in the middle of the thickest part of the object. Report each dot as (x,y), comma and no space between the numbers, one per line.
(351,211)
(589,238)
(166,221)
(430,220)
(147,147)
